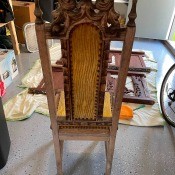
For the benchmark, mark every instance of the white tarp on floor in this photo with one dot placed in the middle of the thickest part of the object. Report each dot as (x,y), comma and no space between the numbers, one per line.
(23,105)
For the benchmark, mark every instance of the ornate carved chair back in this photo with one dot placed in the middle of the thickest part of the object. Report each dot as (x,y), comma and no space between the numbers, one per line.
(85,54)
(85,29)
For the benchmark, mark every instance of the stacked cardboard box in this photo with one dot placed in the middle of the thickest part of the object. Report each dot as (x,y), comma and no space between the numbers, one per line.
(23,12)
(8,66)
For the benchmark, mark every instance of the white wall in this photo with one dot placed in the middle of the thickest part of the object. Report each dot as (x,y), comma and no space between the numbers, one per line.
(121,8)
(172,32)
(154,18)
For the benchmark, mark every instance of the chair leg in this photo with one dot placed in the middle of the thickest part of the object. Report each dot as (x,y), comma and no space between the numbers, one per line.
(61,148)
(58,154)
(110,152)
(14,37)
(106,147)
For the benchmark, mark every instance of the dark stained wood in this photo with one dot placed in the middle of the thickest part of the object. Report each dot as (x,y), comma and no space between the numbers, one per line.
(115,72)
(58,83)
(136,62)
(140,93)
(47,73)
(90,134)
(67,17)
(140,100)
(38,13)
(49,34)
(139,84)
(72,12)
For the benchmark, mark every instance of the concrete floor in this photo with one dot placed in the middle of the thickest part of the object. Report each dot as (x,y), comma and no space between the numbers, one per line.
(138,151)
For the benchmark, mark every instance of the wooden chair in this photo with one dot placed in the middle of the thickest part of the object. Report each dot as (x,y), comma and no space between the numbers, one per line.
(85,30)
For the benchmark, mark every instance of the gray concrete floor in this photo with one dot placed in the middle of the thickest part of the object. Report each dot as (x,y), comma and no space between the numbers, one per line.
(138,150)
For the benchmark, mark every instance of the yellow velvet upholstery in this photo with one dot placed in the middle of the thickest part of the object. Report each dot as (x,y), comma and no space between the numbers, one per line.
(106,110)
(125,113)
(85,50)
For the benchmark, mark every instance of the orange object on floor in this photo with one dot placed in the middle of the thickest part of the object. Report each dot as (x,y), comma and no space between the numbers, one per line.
(126,112)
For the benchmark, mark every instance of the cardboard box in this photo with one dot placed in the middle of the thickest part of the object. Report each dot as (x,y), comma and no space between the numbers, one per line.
(23,12)
(8,66)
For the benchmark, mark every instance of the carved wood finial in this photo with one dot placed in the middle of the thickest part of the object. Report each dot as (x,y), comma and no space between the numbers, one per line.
(38,13)
(132,15)
(101,13)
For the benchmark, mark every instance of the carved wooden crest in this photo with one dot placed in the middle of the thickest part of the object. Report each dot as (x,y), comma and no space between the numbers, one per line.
(101,13)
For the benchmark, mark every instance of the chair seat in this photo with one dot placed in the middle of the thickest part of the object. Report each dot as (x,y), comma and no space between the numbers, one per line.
(107,111)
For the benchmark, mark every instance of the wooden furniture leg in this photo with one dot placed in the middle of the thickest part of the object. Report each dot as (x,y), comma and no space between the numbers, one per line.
(110,153)
(59,157)
(61,148)
(47,72)
(15,43)
(106,148)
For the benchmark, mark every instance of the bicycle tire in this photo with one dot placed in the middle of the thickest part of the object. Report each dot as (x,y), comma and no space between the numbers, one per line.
(167,117)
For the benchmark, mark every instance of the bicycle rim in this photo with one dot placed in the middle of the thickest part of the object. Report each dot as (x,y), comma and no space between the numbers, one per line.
(167,94)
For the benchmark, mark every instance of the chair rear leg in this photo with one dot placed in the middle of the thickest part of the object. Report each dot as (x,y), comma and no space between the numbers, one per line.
(109,152)
(106,147)
(58,154)
(61,148)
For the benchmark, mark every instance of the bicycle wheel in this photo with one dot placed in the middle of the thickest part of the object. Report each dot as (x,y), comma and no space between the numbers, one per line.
(167,96)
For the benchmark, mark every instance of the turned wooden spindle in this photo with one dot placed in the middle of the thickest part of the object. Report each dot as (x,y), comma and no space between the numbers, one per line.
(38,13)
(132,15)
